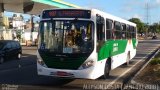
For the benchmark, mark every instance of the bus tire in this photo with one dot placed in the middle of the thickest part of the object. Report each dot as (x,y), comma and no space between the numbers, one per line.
(107,68)
(128,59)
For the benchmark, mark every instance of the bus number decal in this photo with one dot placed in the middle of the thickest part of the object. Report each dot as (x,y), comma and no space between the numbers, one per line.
(115,47)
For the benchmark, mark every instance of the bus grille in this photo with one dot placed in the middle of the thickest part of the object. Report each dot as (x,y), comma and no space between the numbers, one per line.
(63,63)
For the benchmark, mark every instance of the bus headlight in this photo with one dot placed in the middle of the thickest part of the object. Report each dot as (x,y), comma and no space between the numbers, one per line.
(40,60)
(87,64)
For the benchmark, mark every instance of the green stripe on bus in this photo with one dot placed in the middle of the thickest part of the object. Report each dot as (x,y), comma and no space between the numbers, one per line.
(111,48)
(134,42)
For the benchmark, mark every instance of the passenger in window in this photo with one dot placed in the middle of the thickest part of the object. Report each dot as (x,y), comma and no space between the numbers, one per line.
(78,39)
(69,39)
(83,32)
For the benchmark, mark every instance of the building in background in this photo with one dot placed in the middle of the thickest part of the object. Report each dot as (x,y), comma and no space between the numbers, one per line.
(18,22)
(5,33)
(6,22)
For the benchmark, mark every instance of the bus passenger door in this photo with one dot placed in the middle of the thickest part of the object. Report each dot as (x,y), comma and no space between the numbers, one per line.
(100,30)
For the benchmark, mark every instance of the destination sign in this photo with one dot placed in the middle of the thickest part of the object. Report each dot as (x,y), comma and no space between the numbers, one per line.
(69,13)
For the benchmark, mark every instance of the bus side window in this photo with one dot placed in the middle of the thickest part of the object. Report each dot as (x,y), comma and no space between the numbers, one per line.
(128,32)
(124,34)
(135,32)
(109,24)
(117,30)
(100,28)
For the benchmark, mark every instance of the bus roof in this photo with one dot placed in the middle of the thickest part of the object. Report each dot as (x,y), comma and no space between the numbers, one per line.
(104,14)
(112,17)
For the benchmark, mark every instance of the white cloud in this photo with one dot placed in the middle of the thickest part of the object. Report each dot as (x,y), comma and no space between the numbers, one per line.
(130,6)
(137,16)
(158,1)
(133,16)
(127,9)
(153,4)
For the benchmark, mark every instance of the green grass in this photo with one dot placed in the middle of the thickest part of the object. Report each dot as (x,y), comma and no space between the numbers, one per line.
(155,61)
(158,55)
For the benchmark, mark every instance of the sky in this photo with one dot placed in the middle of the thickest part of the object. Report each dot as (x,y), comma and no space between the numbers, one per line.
(125,9)
(25,16)
(10,14)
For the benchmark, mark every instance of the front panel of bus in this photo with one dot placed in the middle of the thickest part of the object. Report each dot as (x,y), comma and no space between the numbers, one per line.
(66,38)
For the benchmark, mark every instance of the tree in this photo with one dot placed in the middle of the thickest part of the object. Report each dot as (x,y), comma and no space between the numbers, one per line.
(155,28)
(140,25)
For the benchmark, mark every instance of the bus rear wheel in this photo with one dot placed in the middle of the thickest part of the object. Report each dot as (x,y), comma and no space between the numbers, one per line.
(128,59)
(107,69)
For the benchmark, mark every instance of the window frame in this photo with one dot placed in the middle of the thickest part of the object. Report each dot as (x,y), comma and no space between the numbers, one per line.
(109,22)
(124,30)
(117,30)
(100,22)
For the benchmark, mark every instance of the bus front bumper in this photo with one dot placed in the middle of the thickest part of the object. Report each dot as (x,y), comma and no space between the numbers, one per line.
(92,72)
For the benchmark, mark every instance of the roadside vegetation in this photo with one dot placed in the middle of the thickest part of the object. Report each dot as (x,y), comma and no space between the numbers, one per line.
(143,27)
(155,60)
(146,30)
(151,73)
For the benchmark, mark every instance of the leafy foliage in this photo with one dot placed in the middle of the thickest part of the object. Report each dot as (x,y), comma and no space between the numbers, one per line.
(155,28)
(142,27)
(140,24)
(155,61)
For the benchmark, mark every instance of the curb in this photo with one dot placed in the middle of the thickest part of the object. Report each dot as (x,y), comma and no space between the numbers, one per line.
(132,81)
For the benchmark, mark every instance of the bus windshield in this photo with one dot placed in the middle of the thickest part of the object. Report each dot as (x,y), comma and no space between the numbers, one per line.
(66,36)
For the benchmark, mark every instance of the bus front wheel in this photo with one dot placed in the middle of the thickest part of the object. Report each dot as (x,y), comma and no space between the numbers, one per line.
(107,69)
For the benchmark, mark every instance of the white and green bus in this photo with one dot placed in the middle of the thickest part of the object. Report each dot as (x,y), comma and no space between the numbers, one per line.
(83,43)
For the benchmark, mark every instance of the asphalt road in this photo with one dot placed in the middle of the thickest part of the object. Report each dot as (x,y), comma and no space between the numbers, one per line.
(21,74)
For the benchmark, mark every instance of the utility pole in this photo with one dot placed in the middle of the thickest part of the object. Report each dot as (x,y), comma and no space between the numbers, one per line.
(147,13)
(147,7)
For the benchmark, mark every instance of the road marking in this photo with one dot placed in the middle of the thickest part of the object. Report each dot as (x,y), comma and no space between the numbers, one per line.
(110,84)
